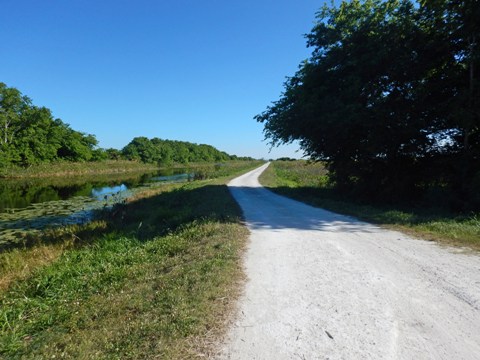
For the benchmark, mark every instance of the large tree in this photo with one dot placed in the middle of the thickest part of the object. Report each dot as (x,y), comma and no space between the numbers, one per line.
(30,135)
(388,98)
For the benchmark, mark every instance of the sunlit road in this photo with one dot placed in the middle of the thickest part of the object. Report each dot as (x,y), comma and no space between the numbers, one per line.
(326,286)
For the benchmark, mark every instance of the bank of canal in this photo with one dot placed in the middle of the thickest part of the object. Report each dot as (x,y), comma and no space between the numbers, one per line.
(28,206)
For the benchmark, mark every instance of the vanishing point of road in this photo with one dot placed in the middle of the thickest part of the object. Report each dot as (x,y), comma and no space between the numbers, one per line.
(326,286)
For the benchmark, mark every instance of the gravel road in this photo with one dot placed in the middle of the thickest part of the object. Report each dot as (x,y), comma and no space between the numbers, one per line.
(326,286)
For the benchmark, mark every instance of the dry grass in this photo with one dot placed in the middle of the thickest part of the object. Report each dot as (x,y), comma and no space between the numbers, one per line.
(65,168)
(18,264)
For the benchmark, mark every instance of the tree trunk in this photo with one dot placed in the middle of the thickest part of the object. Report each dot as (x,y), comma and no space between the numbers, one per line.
(470,123)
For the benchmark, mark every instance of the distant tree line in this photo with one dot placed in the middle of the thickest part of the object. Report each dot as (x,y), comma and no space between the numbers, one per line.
(286,158)
(30,135)
(166,152)
(390,100)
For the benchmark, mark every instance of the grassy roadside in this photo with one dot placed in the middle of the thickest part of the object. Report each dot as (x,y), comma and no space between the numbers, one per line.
(308,183)
(155,278)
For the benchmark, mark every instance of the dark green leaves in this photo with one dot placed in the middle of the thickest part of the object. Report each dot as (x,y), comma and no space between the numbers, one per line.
(30,135)
(166,152)
(389,97)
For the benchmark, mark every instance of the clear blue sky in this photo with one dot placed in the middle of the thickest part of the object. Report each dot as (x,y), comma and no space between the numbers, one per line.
(193,70)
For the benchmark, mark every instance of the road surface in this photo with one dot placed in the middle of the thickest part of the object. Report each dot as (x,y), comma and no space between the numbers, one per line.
(326,286)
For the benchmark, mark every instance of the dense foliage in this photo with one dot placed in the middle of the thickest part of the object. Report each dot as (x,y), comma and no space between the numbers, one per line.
(389,99)
(30,135)
(166,152)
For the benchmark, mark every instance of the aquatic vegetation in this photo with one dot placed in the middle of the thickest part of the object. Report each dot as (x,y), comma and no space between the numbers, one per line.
(17,224)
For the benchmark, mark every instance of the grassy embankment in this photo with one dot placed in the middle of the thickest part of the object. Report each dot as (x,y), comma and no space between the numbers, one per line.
(308,183)
(66,168)
(154,278)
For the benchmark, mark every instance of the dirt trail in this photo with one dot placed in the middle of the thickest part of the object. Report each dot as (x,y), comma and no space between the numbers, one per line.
(326,286)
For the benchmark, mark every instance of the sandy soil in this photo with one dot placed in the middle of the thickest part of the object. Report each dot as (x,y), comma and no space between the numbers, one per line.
(326,286)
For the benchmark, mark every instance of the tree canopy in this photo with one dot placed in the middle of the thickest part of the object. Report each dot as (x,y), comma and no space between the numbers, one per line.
(30,135)
(166,152)
(389,98)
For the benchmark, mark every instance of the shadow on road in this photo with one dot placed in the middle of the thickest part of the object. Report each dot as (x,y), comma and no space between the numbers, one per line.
(264,209)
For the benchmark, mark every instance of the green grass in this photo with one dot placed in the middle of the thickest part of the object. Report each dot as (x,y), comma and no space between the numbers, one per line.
(308,182)
(66,168)
(155,278)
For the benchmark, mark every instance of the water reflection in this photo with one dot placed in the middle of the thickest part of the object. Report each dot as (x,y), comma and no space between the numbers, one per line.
(104,192)
(20,194)
(178,177)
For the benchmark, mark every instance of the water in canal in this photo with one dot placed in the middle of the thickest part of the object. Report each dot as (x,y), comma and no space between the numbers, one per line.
(32,204)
